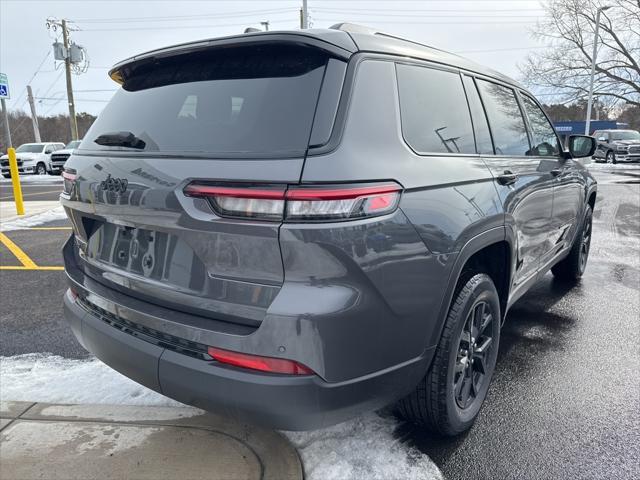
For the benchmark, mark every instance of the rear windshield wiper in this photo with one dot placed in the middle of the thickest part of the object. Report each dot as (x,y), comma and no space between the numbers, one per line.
(120,139)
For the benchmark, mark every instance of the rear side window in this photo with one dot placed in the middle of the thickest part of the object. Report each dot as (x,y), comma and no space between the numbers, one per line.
(434,111)
(253,101)
(505,118)
(480,125)
(543,136)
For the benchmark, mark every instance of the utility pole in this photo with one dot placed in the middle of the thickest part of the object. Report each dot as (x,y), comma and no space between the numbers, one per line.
(5,117)
(34,117)
(304,16)
(587,124)
(67,66)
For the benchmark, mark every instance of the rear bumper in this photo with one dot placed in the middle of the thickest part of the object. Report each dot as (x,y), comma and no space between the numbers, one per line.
(278,401)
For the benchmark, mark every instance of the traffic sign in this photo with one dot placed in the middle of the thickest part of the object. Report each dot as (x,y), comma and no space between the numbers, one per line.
(4,86)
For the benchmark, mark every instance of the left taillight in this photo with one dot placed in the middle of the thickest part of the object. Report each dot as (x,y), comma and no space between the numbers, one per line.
(314,203)
(69,179)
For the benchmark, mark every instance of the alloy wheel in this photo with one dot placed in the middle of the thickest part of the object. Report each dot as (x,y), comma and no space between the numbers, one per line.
(472,367)
(585,244)
(41,170)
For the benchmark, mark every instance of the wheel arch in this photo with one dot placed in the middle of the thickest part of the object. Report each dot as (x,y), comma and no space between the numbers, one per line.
(479,255)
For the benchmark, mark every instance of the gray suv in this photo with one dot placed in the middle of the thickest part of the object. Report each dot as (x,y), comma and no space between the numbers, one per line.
(295,227)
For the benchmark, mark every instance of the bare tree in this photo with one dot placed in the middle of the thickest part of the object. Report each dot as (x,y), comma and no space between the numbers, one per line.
(564,67)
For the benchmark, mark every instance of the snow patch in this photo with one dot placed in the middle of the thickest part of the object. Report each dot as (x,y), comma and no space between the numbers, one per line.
(612,167)
(52,215)
(40,378)
(364,447)
(26,179)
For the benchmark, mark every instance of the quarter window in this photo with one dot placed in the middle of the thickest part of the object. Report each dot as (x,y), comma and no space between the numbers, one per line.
(480,125)
(434,111)
(543,136)
(507,124)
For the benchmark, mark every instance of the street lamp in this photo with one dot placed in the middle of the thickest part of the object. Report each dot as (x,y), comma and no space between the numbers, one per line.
(593,69)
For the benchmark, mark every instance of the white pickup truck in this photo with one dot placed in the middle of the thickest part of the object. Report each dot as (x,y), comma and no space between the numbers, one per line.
(34,158)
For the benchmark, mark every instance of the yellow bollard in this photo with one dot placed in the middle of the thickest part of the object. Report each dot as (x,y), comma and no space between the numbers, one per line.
(15,180)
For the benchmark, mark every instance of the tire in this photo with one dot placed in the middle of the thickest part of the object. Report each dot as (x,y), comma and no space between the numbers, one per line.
(437,402)
(6,175)
(572,267)
(611,157)
(41,169)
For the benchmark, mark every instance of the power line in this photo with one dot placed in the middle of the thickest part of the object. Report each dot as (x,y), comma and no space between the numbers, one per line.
(423,13)
(419,22)
(24,90)
(501,49)
(174,18)
(427,10)
(174,27)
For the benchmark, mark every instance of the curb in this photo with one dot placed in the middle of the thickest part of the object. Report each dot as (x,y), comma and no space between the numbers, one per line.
(42,440)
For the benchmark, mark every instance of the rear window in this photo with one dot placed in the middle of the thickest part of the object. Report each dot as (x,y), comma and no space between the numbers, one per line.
(257,100)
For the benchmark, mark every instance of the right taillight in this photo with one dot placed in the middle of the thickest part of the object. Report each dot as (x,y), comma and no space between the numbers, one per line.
(299,203)
(340,203)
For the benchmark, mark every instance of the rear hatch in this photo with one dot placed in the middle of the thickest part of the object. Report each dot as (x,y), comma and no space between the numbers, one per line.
(235,115)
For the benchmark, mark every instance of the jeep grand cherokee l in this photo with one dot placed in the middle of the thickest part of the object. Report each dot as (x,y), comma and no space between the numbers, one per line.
(294,227)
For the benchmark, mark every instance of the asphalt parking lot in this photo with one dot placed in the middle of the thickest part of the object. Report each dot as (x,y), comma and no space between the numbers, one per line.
(49,189)
(565,397)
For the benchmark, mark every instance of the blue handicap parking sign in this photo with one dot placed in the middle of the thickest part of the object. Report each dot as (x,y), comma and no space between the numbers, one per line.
(4,86)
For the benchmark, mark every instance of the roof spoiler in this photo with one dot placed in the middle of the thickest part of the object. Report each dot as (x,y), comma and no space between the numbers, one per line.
(342,51)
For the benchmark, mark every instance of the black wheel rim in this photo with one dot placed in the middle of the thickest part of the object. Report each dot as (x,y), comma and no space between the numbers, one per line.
(473,368)
(586,243)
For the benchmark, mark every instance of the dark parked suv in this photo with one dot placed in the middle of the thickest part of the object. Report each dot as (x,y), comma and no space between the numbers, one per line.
(617,146)
(294,227)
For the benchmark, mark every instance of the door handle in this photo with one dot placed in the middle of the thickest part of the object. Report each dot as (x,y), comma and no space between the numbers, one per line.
(507,178)
(556,171)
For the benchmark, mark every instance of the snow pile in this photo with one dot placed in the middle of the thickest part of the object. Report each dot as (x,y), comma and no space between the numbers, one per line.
(40,378)
(364,447)
(361,448)
(52,215)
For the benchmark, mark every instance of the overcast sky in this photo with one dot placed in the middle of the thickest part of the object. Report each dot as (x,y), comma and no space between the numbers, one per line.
(491,32)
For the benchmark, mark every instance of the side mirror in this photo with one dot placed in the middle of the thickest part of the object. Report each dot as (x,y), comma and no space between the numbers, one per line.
(49,150)
(602,139)
(581,146)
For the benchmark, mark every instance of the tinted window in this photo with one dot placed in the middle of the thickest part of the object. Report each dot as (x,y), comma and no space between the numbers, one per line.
(480,125)
(543,136)
(243,100)
(435,115)
(625,135)
(507,125)
(30,148)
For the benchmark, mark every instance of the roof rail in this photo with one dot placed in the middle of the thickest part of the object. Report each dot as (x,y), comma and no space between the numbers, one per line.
(355,28)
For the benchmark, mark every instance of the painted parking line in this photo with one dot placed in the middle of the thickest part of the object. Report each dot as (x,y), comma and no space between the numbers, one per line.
(27,263)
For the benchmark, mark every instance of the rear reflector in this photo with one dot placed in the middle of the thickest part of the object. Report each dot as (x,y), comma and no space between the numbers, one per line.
(299,204)
(256,362)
